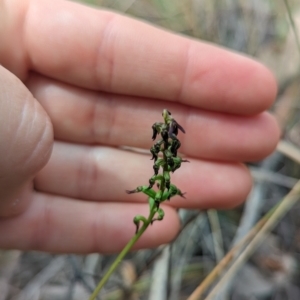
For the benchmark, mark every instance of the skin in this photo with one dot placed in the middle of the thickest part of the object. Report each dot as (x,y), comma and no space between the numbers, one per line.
(76,83)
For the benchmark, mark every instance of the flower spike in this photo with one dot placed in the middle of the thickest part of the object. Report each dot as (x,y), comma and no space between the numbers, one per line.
(166,161)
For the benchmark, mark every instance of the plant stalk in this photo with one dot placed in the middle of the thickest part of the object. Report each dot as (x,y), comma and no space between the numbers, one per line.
(120,257)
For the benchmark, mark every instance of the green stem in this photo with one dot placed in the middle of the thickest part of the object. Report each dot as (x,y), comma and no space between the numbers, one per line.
(121,256)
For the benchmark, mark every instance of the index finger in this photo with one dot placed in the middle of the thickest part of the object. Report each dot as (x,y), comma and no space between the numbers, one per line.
(104,51)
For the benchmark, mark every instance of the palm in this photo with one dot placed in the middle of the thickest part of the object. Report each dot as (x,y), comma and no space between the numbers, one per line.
(103,88)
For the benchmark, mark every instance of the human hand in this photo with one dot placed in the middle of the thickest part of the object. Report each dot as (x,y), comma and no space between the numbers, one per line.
(101,80)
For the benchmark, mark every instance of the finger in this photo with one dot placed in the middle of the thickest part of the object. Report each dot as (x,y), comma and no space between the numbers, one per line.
(26,143)
(103,174)
(62,225)
(117,54)
(83,116)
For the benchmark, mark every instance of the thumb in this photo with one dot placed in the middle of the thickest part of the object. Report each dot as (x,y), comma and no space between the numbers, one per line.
(26,139)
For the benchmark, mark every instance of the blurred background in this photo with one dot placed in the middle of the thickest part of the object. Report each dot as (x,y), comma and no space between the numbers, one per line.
(263,264)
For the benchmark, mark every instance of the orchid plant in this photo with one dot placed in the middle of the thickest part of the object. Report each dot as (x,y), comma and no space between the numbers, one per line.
(166,161)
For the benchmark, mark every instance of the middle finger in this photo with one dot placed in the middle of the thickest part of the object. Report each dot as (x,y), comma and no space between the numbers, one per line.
(84,116)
